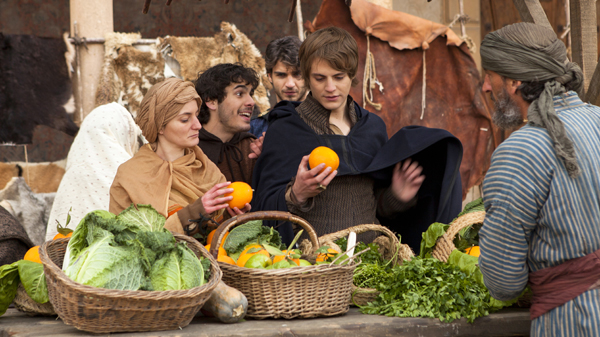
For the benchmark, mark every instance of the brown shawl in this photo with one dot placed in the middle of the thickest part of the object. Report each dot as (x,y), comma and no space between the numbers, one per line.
(147,179)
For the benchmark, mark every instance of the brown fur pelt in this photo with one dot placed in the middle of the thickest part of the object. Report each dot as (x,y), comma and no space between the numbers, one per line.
(196,54)
(128,73)
(41,177)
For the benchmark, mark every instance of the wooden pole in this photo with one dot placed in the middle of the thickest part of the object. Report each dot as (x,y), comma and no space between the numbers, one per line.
(94,19)
(584,39)
(532,11)
(299,20)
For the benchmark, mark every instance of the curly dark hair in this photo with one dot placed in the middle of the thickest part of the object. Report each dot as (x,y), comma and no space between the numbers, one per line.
(530,91)
(212,83)
(284,49)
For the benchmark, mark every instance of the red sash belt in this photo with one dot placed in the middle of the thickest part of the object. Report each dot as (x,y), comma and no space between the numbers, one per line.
(555,286)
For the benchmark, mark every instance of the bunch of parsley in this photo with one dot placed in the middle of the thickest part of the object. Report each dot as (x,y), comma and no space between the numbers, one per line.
(426,287)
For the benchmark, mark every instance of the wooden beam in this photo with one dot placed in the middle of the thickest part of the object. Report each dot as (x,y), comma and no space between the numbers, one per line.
(532,11)
(584,39)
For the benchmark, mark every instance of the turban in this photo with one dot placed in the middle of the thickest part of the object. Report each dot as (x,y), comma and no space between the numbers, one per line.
(528,52)
(162,103)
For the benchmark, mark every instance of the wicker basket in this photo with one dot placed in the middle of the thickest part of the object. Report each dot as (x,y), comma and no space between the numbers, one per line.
(306,292)
(390,249)
(26,304)
(445,245)
(101,310)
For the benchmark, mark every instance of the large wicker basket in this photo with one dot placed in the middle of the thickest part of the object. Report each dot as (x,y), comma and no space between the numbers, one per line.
(26,304)
(445,245)
(306,292)
(101,310)
(389,246)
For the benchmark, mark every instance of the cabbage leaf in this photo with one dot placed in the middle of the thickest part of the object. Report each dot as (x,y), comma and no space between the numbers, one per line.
(144,217)
(9,281)
(34,280)
(179,269)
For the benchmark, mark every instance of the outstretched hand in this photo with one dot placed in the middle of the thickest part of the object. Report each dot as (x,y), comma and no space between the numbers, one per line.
(309,183)
(256,147)
(212,200)
(236,211)
(407,180)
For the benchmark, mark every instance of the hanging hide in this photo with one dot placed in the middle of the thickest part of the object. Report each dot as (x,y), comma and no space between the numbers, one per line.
(128,73)
(35,88)
(192,56)
(406,50)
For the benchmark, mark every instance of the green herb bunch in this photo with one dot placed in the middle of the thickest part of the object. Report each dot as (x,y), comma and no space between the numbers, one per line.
(426,287)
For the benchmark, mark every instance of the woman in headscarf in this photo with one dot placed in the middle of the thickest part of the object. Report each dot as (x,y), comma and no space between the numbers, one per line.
(108,137)
(171,173)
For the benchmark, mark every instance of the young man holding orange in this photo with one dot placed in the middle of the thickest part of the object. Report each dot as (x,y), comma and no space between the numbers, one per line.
(226,91)
(332,200)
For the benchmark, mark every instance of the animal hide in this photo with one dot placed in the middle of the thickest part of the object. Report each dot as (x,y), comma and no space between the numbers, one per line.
(128,73)
(14,241)
(194,55)
(35,88)
(453,97)
(32,210)
(41,177)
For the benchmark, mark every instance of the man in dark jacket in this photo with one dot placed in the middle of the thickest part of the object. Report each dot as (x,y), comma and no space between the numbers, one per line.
(226,91)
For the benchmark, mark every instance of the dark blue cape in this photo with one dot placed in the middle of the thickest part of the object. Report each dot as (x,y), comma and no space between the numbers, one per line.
(365,150)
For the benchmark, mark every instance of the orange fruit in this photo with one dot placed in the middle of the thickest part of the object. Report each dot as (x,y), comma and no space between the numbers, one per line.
(325,155)
(330,253)
(222,250)
(242,194)
(61,236)
(226,259)
(33,254)
(282,257)
(245,256)
(212,234)
(473,251)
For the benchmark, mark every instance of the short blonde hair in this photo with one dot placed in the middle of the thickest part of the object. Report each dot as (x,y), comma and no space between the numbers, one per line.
(331,44)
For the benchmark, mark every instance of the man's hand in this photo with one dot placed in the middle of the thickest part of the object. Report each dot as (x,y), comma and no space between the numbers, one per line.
(256,147)
(309,183)
(212,201)
(407,180)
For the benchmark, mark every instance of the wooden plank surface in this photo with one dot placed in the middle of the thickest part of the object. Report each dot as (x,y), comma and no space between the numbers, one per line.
(507,322)
(584,38)
(532,11)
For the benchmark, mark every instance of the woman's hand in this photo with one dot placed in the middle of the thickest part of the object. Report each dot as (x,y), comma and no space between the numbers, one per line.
(309,183)
(212,200)
(236,211)
(256,147)
(407,180)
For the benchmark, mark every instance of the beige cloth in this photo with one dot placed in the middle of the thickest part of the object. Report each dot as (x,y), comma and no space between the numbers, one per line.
(167,186)
(400,30)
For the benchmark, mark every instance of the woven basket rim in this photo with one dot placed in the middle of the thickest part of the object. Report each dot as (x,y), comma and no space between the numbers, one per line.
(215,277)
(260,215)
(445,244)
(299,270)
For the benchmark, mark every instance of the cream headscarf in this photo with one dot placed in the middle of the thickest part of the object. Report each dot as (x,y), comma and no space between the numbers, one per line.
(108,137)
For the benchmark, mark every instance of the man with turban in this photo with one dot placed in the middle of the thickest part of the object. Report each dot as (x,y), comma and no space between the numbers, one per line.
(171,173)
(542,191)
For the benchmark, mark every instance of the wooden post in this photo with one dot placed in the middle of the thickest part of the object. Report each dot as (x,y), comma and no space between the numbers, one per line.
(299,20)
(94,19)
(584,38)
(532,11)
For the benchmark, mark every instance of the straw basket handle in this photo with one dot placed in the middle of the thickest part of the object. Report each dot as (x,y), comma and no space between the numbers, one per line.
(404,251)
(445,244)
(261,215)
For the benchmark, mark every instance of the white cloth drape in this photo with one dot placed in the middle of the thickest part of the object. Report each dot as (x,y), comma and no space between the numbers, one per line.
(107,138)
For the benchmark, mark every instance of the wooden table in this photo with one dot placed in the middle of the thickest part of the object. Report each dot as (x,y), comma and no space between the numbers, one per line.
(507,322)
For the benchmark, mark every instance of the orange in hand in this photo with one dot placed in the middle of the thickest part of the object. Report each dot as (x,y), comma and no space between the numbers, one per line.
(324,155)
(33,254)
(242,194)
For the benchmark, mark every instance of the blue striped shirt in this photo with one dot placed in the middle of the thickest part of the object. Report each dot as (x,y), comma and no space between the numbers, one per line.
(538,217)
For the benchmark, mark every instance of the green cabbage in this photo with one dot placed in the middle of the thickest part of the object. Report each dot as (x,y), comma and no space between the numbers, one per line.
(9,281)
(179,269)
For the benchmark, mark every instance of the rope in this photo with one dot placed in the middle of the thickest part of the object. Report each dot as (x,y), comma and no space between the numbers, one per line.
(424,89)
(370,79)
